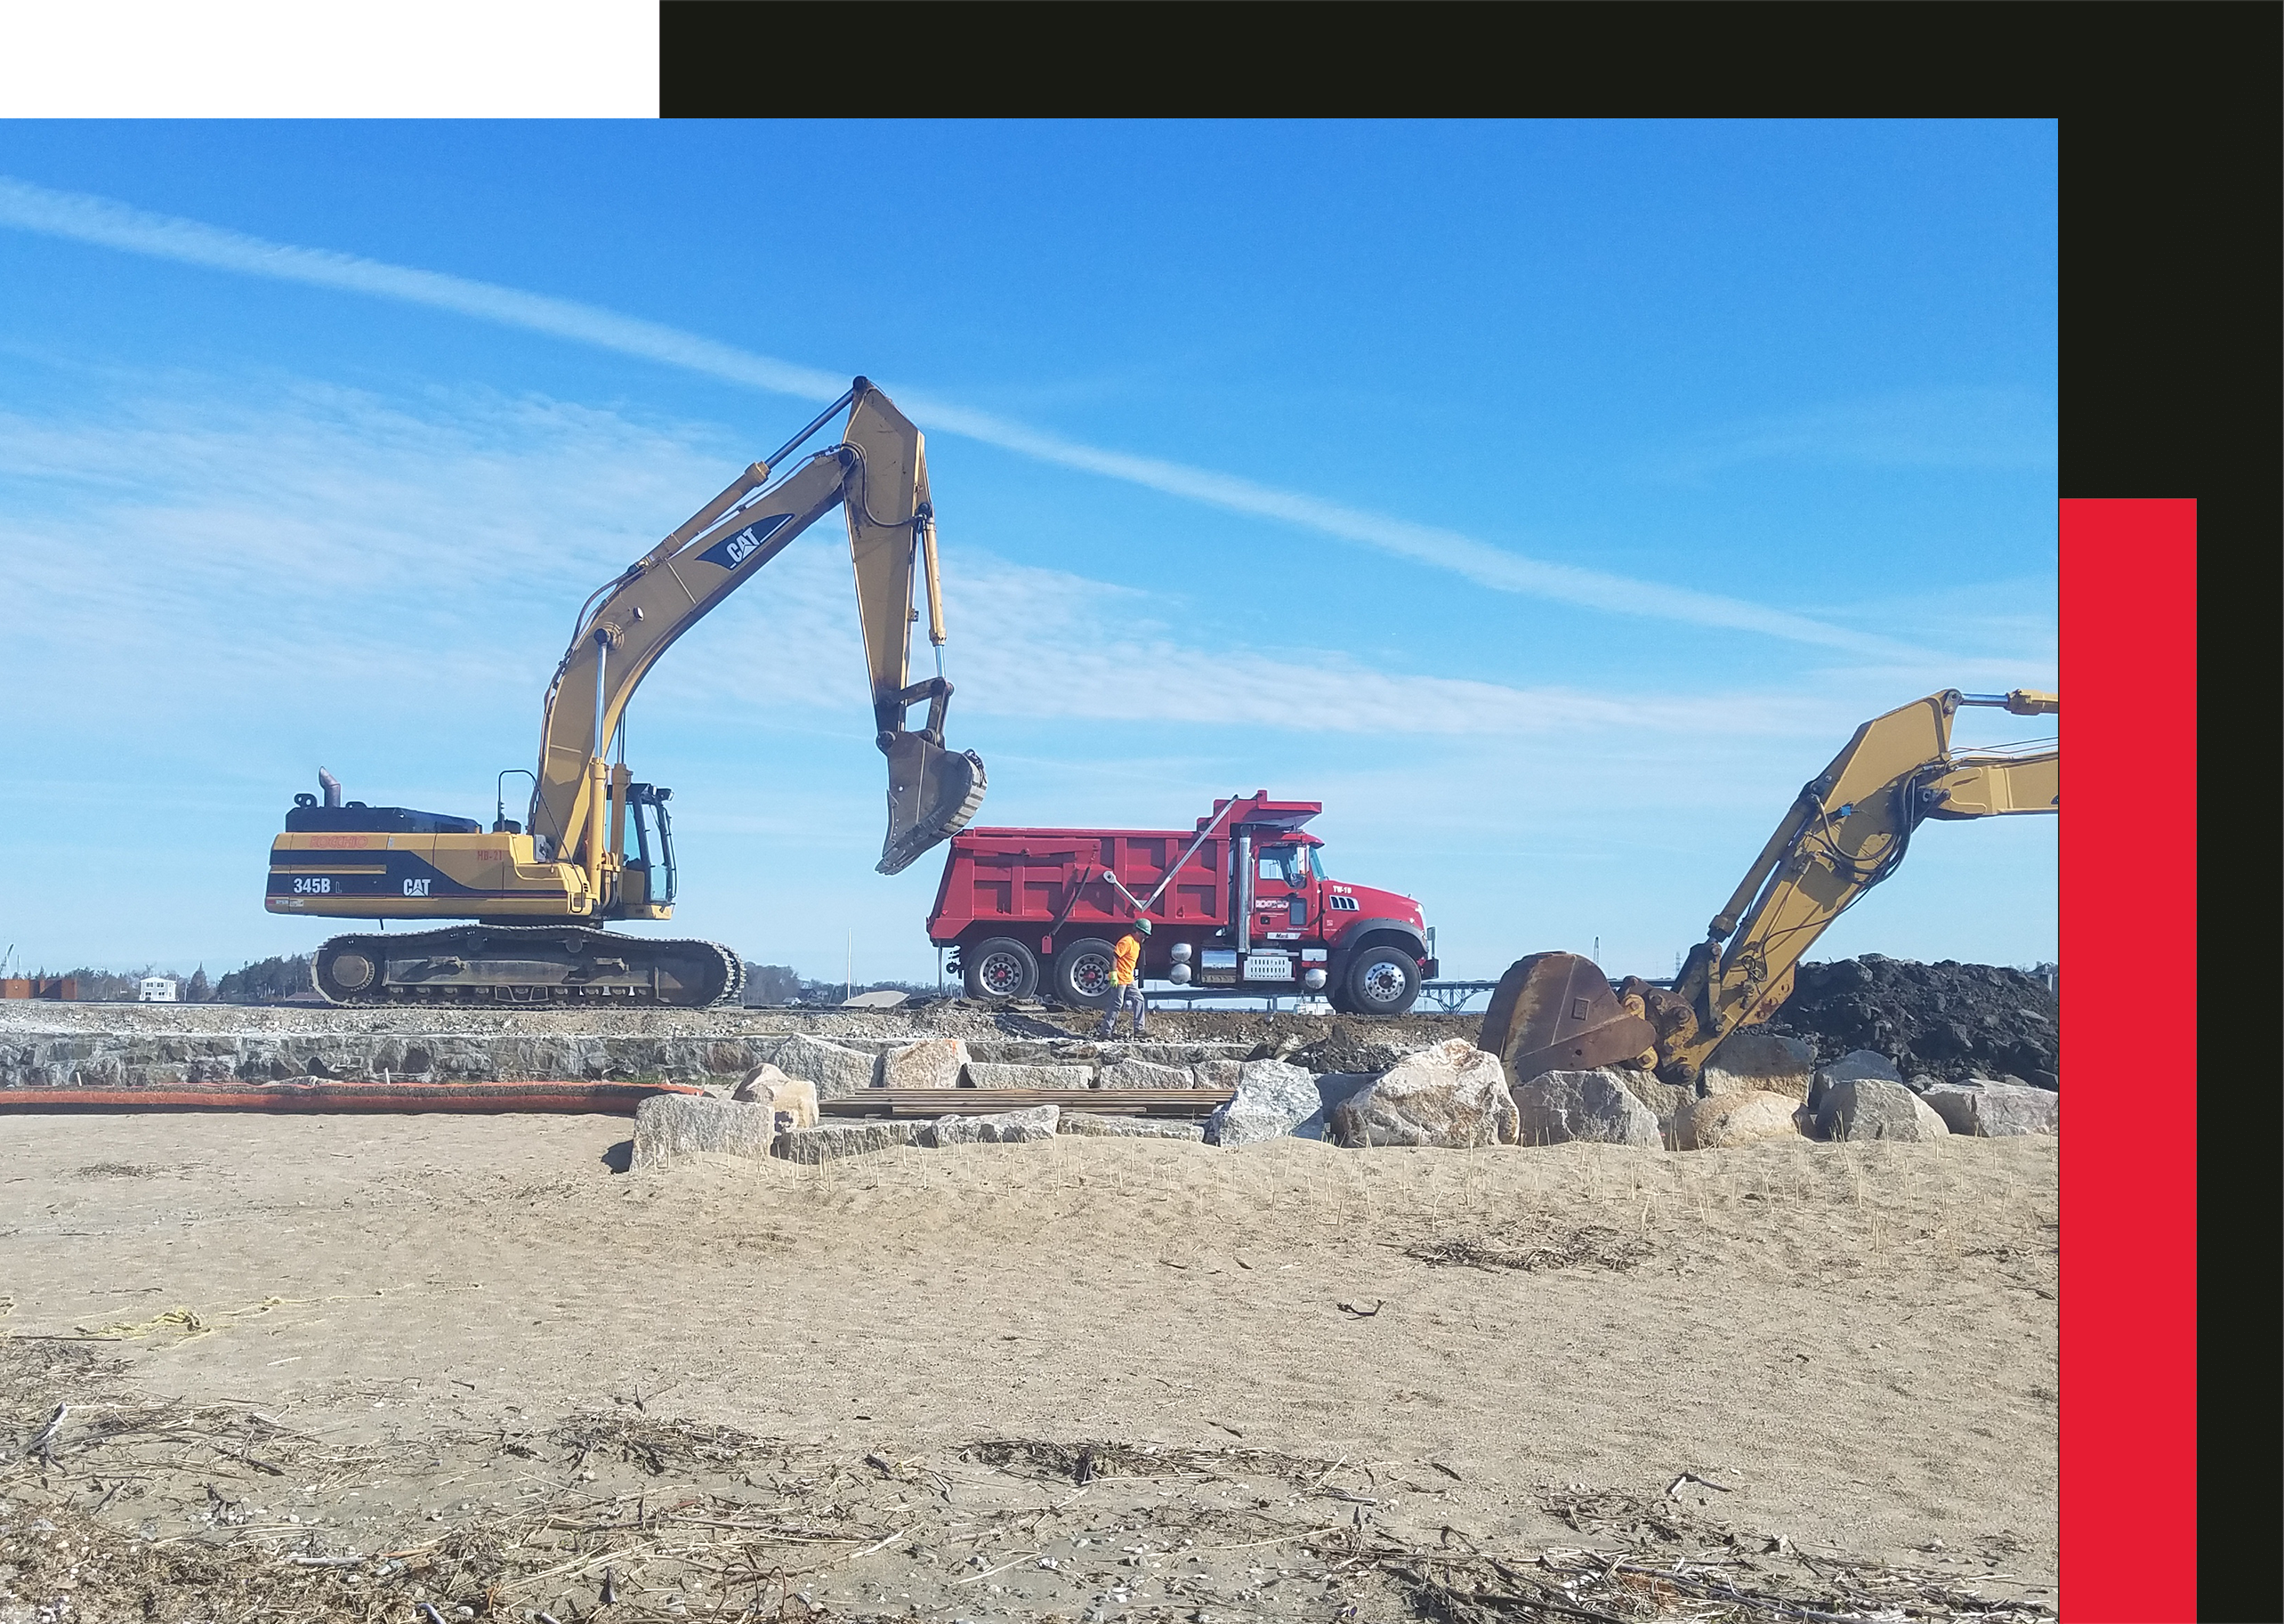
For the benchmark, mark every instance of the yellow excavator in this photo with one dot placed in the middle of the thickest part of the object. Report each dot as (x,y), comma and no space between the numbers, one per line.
(1847,831)
(537,894)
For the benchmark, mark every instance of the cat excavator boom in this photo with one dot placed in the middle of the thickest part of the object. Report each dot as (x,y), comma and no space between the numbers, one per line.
(1847,831)
(539,893)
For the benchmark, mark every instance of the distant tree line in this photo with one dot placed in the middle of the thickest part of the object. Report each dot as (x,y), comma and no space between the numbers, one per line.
(97,986)
(270,980)
(266,981)
(256,983)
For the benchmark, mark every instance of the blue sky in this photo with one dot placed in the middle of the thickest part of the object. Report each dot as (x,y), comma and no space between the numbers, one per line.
(1549,499)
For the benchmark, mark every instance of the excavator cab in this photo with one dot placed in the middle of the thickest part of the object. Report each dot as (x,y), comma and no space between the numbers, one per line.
(649,882)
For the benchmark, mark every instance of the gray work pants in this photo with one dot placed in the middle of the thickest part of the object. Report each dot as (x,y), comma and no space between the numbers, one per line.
(1121,999)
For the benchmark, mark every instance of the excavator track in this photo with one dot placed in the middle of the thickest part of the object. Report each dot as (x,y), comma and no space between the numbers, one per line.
(548,966)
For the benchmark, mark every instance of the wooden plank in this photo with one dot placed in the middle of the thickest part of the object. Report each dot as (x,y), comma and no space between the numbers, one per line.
(981,1101)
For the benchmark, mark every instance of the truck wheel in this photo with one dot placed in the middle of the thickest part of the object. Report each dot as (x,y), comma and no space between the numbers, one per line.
(1382,982)
(1000,968)
(1082,973)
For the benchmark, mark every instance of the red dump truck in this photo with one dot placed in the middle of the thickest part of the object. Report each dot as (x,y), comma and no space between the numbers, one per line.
(1240,901)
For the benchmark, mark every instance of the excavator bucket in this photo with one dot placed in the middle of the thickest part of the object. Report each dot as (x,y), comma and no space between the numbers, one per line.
(932,792)
(1555,1012)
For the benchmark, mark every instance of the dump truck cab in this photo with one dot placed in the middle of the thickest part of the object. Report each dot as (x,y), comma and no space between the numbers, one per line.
(1245,899)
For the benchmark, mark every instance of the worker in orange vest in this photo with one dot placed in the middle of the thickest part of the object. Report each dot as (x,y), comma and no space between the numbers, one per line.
(1125,981)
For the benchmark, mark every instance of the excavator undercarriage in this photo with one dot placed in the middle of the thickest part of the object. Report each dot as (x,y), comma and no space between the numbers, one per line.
(527,965)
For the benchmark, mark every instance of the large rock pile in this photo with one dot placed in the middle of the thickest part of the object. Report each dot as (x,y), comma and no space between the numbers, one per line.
(1937,1044)
(129,1059)
(526,1049)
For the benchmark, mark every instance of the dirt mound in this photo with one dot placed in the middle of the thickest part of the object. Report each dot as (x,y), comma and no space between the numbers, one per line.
(1947,1020)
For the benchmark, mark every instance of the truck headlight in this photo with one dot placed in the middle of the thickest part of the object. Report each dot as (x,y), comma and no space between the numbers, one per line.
(1314,979)
(1178,975)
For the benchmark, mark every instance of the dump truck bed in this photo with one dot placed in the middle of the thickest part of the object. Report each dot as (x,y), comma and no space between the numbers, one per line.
(1053,878)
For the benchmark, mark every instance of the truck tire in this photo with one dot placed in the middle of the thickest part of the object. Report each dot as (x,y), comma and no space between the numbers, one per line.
(999,968)
(1082,973)
(1381,982)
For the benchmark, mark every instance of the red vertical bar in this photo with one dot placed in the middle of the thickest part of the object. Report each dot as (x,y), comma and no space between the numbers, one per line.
(2129,935)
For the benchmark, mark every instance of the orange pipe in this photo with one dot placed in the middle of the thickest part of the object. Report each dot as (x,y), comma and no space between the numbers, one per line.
(604,1099)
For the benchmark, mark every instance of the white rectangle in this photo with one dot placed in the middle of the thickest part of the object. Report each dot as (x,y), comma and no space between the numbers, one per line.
(346,59)
(1269,966)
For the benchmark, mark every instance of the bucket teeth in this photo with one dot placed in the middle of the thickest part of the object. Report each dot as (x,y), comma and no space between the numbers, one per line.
(932,792)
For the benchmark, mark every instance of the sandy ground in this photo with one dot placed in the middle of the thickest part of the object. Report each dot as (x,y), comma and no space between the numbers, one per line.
(1090,1380)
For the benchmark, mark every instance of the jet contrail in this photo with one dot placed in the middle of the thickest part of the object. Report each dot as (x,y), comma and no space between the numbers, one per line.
(88,219)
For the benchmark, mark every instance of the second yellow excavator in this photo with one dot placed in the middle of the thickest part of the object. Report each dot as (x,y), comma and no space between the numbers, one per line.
(537,894)
(1847,831)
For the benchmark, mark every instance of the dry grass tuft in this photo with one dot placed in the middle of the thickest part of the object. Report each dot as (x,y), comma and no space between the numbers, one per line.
(1595,1246)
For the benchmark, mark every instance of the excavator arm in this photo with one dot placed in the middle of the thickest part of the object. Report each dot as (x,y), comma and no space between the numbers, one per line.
(1847,830)
(878,473)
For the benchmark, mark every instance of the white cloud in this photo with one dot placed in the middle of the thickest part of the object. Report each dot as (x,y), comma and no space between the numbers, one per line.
(314,537)
(100,220)
(350,529)
(2014,430)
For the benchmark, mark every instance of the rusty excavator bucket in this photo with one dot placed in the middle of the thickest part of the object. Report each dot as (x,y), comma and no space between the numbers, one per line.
(1555,1012)
(932,792)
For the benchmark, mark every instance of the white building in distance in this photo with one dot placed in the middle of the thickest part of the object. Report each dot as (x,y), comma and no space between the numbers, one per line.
(158,989)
